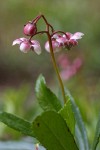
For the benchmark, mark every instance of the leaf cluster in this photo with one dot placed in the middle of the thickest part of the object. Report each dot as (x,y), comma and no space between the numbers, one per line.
(58,127)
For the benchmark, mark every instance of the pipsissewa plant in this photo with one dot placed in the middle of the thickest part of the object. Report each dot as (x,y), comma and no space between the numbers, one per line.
(60,126)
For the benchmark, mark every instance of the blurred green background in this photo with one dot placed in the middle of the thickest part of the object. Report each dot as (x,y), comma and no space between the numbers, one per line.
(18,71)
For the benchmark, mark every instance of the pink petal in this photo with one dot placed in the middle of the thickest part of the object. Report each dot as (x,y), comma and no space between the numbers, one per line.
(37,49)
(47,46)
(77,35)
(68,35)
(25,47)
(23,39)
(36,46)
(17,41)
(55,36)
(55,46)
(61,40)
(34,42)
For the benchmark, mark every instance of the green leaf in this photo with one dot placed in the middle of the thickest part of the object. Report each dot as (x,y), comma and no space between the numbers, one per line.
(16,123)
(67,113)
(97,135)
(80,131)
(52,132)
(47,99)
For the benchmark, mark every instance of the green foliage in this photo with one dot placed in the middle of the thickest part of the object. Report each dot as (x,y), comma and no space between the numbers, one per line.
(46,98)
(52,132)
(68,115)
(14,98)
(80,131)
(16,123)
(51,127)
(57,128)
(97,135)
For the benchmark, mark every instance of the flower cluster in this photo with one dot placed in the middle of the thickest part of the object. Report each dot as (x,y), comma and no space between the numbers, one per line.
(68,68)
(66,40)
(59,39)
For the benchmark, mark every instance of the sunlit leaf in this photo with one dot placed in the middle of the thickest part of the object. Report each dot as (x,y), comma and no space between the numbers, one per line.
(47,99)
(68,115)
(52,132)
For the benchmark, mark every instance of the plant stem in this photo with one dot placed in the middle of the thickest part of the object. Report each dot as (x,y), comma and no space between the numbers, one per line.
(51,50)
(56,68)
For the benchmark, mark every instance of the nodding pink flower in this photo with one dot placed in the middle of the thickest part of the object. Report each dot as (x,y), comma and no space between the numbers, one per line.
(68,40)
(56,46)
(30,29)
(72,39)
(27,45)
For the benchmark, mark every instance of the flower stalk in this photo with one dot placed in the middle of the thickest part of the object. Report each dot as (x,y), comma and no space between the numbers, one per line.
(56,68)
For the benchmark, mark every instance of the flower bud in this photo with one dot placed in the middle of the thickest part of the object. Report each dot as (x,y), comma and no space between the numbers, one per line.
(30,29)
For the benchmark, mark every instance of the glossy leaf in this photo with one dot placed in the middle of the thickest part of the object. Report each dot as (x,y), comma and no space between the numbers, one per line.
(16,123)
(47,99)
(80,131)
(97,135)
(52,132)
(68,115)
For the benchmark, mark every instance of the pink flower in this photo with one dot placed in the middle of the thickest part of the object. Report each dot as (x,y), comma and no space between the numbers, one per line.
(67,40)
(30,29)
(68,68)
(77,63)
(55,45)
(67,73)
(27,45)
(72,39)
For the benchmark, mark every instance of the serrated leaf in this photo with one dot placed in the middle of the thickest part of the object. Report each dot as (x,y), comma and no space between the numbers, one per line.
(46,98)
(80,131)
(16,123)
(52,132)
(97,135)
(68,115)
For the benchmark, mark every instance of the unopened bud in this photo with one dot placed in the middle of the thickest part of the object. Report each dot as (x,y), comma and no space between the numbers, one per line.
(30,29)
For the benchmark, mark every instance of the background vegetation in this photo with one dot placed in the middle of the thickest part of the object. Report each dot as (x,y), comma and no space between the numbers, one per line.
(19,71)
